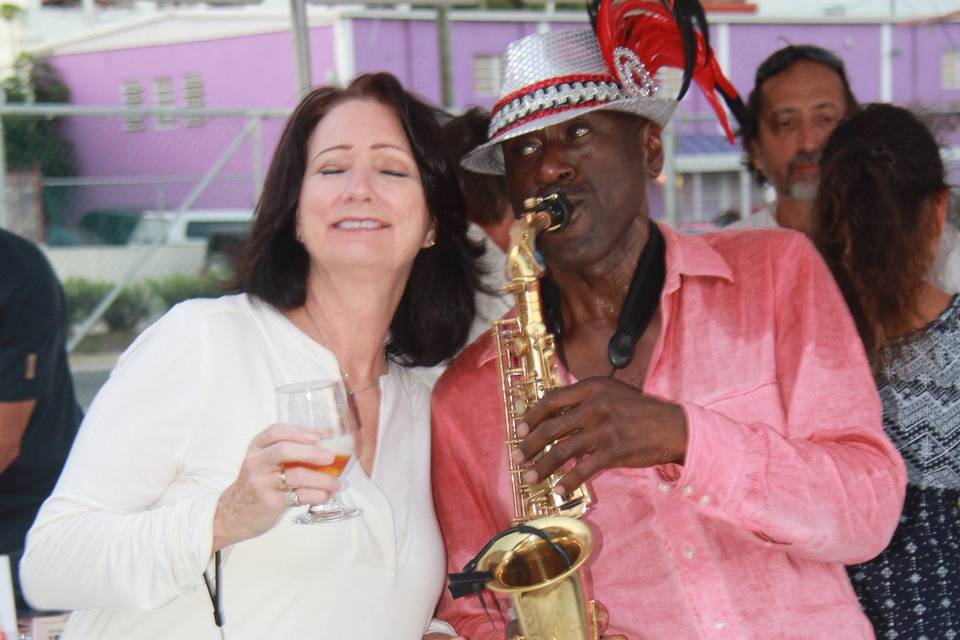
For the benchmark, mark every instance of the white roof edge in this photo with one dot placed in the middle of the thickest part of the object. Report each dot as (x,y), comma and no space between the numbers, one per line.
(327,15)
(317,17)
(709,162)
(478,15)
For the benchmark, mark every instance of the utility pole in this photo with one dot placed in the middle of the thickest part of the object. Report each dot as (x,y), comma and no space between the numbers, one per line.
(301,46)
(4,200)
(443,51)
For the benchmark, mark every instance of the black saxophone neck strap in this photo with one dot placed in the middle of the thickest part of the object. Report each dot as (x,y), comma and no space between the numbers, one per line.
(643,297)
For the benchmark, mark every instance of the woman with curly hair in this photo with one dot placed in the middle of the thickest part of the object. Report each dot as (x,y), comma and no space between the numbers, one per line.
(878,217)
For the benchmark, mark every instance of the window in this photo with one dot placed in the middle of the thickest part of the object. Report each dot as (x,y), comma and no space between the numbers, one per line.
(487,75)
(131,95)
(950,69)
(193,97)
(203,228)
(163,98)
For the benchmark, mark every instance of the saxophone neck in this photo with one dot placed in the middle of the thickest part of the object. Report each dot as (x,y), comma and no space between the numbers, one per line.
(549,213)
(522,263)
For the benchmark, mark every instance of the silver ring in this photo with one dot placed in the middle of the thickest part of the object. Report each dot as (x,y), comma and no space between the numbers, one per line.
(293,500)
(283,479)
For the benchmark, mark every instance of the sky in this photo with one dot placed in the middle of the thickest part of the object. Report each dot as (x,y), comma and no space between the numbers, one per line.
(858,8)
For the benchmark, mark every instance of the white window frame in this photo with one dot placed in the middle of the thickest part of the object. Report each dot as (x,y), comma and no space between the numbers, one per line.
(194,97)
(131,95)
(950,69)
(163,97)
(487,75)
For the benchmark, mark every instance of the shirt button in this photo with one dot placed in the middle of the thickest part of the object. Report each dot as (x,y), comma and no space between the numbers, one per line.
(688,553)
(705,499)
(719,624)
(664,487)
(688,491)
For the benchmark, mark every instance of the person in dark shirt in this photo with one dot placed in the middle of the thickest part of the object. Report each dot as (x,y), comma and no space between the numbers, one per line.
(39,414)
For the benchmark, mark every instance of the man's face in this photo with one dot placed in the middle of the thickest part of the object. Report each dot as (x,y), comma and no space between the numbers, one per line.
(800,108)
(601,160)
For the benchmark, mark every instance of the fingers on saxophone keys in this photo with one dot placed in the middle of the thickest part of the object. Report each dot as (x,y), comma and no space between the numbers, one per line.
(562,455)
(517,457)
(581,472)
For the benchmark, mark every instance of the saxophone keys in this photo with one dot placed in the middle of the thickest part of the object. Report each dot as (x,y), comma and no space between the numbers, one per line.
(519,407)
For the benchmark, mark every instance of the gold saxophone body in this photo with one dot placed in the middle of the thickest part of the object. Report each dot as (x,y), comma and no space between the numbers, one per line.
(540,572)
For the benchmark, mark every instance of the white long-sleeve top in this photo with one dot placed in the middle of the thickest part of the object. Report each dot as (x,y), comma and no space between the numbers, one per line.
(127,534)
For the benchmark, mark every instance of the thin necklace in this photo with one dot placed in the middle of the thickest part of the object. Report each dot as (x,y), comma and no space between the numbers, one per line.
(324,341)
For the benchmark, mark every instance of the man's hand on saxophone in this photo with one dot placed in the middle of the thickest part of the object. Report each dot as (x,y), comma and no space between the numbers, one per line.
(600,423)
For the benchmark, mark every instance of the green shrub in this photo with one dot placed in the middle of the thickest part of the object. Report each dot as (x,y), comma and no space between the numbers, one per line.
(177,287)
(82,296)
(131,307)
(136,303)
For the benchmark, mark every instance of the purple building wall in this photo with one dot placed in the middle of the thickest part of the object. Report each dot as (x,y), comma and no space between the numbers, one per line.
(258,71)
(405,48)
(243,72)
(480,38)
(857,44)
(916,63)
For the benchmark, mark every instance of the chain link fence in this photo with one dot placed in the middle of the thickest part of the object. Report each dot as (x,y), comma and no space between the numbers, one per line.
(141,196)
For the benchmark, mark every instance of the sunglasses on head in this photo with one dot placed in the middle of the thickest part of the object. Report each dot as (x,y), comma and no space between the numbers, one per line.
(789,55)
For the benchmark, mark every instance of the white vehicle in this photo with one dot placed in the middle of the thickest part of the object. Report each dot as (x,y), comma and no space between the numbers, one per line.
(192,227)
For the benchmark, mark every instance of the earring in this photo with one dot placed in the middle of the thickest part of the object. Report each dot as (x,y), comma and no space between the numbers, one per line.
(433,243)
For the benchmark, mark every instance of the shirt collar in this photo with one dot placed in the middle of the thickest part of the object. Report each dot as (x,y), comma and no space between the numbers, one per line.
(691,256)
(687,256)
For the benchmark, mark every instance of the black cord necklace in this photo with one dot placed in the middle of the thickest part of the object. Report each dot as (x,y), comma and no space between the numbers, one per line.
(640,304)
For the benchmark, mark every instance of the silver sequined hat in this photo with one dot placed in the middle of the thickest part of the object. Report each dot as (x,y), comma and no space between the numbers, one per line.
(553,77)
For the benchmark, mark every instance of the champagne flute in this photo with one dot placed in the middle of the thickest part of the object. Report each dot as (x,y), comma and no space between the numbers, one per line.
(322,405)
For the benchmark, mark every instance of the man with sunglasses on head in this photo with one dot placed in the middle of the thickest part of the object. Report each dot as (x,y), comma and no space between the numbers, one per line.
(800,94)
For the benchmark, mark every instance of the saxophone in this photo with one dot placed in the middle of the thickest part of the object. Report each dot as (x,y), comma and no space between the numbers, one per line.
(537,560)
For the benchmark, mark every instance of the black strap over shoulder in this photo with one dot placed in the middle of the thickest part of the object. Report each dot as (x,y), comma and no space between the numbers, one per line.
(642,299)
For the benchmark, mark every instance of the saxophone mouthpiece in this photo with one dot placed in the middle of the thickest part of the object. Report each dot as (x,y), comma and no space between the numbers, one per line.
(555,205)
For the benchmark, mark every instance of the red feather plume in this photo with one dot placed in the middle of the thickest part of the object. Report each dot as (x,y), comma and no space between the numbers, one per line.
(649,29)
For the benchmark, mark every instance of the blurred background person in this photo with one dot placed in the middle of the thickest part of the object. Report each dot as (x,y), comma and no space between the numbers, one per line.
(877,221)
(489,213)
(39,414)
(358,266)
(800,93)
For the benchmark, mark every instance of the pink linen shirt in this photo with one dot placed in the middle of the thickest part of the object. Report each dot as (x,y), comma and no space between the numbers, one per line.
(788,473)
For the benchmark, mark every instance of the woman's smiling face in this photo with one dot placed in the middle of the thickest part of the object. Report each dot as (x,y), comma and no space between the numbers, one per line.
(362,202)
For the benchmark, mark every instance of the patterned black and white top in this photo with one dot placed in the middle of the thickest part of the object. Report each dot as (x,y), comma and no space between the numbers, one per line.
(912,590)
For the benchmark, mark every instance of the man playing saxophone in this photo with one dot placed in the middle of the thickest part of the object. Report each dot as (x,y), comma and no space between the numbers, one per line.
(718,403)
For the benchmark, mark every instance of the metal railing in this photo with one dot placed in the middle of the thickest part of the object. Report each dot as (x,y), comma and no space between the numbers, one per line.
(218,164)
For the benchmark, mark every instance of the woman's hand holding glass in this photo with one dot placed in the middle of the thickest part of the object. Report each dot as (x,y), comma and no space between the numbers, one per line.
(324,406)
(259,496)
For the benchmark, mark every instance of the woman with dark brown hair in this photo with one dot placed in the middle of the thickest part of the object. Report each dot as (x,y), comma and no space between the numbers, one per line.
(878,218)
(358,268)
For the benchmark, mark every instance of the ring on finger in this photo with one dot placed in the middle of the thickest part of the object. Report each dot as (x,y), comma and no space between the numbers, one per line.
(293,500)
(283,479)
